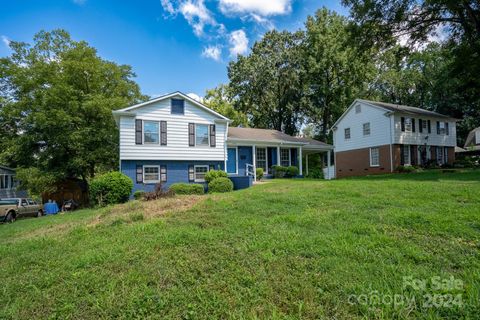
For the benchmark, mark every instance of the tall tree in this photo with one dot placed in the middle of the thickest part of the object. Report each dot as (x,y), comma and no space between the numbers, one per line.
(219,100)
(336,72)
(56,98)
(267,84)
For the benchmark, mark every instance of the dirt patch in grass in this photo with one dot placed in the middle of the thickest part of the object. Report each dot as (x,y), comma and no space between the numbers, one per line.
(142,210)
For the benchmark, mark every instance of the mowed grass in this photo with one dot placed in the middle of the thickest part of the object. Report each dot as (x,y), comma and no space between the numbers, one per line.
(286,249)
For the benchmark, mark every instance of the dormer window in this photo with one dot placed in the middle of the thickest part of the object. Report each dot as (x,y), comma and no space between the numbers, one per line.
(178,106)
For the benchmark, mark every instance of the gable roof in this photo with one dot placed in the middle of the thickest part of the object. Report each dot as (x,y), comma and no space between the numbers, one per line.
(405,109)
(268,135)
(127,110)
(470,142)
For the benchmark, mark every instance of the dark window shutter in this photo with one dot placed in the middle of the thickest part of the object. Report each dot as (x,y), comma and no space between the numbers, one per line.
(213,141)
(163,133)
(163,173)
(413,155)
(403,123)
(139,174)
(402,151)
(191,173)
(413,124)
(420,125)
(138,131)
(438,127)
(429,127)
(191,134)
(446,128)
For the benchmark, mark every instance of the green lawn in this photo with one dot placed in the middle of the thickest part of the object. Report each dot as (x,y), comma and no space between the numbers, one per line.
(294,249)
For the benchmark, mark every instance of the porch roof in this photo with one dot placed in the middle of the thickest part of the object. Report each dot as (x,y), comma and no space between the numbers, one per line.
(251,135)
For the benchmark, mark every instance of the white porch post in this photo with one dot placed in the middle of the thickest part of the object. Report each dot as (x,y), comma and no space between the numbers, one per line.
(306,163)
(328,165)
(254,164)
(300,161)
(278,155)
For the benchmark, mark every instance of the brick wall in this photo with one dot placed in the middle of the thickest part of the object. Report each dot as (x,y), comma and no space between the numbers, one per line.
(357,162)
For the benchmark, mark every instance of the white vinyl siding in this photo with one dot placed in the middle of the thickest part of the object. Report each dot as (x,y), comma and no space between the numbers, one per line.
(177,134)
(422,138)
(374,157)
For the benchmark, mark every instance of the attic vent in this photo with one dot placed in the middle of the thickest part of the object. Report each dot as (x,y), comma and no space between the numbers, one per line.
(358,108)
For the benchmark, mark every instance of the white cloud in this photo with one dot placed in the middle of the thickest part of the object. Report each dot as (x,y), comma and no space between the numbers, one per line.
(262,21)
(168,7)
(197,15)
(238,43)
(195,96)
(6,41)
(212,52)
(260,7)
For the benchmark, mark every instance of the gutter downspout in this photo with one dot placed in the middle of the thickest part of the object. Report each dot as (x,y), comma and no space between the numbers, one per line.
(392,119)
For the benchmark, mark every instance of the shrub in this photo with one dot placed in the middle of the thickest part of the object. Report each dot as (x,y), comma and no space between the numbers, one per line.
(405,169)
(292,171)
(259,173)
(110,188)
(214,174)
(187,188)
(158,193)
(139,194)
(279,171)
(220,185)
(315,173)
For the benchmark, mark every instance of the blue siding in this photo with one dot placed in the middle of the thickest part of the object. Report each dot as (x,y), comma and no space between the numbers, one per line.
(177,171)
(244,157)
(241,182)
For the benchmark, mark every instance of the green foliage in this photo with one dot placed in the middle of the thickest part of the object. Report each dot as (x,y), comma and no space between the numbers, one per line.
(214,174)
(292,171)
(406,169)
(60,95)
(139,194)
(187,188)
(220,185)
(37,182)
(218,99)
(259,173)
(315,173)
(110,188)
(279,171)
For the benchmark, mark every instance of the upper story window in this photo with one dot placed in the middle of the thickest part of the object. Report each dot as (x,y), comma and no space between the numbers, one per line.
(408,125)
(366,129)
(442,128)
(201,135)
(7,181)
(347,133)
(178,106)
(358,108)
(150,132)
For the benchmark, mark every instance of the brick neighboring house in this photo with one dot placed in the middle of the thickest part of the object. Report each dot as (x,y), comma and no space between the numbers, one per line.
(376,137)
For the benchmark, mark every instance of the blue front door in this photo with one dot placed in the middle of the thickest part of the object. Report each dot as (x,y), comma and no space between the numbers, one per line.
(232,160)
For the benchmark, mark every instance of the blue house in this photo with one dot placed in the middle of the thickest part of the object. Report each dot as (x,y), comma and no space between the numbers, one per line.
(174,138)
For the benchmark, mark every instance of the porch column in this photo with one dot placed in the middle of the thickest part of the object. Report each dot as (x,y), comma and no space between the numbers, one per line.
(278,155)
(328,165)
(254,163)
(306,163)
(300,164)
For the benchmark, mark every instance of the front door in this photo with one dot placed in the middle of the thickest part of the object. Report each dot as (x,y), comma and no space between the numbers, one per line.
(232,160)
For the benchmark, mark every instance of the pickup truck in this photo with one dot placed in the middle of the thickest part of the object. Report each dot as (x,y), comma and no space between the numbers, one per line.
(12,208)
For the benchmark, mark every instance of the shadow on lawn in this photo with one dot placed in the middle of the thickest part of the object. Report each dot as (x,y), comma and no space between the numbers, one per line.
(428,175)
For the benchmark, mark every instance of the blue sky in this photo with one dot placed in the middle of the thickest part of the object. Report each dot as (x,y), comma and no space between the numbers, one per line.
(171,44)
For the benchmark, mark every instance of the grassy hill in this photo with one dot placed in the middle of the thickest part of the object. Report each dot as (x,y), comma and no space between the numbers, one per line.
(283,249)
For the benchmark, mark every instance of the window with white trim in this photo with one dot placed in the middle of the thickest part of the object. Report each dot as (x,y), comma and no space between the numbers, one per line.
(408,124)
(347,133)
(200,172)
(285,157)
(366,129)
(201,135)
(261,158)
(374,157)
(151,174)
(151,132)
(442,128)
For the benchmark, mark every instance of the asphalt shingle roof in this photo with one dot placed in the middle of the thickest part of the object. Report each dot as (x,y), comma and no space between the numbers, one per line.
(406,109)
